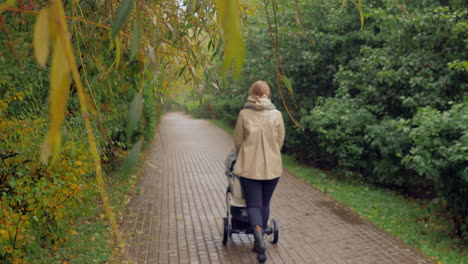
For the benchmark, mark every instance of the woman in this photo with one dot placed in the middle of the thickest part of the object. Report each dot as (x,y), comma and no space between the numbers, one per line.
(258,138)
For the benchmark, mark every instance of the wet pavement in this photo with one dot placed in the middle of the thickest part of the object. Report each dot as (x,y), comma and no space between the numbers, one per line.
(177,216)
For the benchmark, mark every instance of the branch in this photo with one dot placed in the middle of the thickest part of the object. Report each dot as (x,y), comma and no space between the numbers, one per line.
(10,43)
(278,63)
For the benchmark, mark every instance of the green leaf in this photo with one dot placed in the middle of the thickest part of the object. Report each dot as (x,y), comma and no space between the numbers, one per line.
(288,85)
(131,159)
(209,44)
(181,71)
(136,107)
(137,32)
(121,16)
(118,53)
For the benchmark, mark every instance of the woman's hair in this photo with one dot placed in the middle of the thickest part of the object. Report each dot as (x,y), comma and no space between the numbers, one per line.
(259,89)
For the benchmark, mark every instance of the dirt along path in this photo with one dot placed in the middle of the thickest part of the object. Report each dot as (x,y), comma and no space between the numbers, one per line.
(176,217)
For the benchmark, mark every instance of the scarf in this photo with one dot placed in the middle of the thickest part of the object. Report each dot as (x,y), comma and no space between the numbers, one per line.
(262,103)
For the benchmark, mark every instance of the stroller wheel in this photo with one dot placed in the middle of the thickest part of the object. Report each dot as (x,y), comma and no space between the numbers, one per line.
(226,231)
(275,230)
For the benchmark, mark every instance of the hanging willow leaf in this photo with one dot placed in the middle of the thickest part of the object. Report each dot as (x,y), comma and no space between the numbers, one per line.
(358,4)
(118,50)
(137,32)
(229,17)
(131,159)
(134,114)
(181,71)
(52,26)
(288,85)
(151,54)
(121,16)
(59,85)
(215,85)
(41,37)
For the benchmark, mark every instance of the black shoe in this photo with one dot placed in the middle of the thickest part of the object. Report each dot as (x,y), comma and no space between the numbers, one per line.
(259,245)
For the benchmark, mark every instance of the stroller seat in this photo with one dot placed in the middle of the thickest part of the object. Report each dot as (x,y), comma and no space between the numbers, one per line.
(234,189)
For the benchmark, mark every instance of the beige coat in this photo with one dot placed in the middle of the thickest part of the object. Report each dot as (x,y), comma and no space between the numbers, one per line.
(258,138)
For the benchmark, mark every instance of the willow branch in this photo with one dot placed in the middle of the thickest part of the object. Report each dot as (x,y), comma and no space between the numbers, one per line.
(278,66)
(10,43)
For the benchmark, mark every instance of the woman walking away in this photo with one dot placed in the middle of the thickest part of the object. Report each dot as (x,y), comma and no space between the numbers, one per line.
(258,138)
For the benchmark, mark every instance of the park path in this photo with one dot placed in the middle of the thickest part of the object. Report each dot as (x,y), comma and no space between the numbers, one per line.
(176,217)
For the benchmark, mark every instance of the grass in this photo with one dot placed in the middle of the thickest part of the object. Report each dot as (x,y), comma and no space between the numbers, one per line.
(423,224)
(220,123)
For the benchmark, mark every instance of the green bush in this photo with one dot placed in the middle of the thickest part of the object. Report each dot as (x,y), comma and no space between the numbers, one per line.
(201,107)
(440,153)
(228,106)
(339,125)
(389,144)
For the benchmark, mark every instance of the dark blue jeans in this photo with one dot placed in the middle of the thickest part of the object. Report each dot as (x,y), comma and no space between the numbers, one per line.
(257,196)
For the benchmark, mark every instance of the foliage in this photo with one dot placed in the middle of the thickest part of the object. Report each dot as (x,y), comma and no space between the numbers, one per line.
(111,63)
(37,201)
(440,153)
(389,144)
(197,108)
(408,67)
(338,124)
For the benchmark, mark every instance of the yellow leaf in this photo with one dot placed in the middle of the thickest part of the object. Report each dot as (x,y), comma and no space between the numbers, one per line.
(8,3)
(4,234)
(52,24)
(59,86)
(229,17)
(41,37)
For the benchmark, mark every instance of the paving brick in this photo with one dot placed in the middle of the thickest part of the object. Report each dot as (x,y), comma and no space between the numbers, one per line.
(177,215)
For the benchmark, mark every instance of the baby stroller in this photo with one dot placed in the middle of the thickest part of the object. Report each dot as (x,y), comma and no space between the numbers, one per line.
(236,220)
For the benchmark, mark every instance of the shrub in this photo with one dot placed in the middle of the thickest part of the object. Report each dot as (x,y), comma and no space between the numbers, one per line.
(339,125)
(37,202)
(228,106)
(440,153)
(389,144)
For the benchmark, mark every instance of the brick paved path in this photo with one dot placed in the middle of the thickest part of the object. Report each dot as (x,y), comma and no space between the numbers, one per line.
(177,215)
